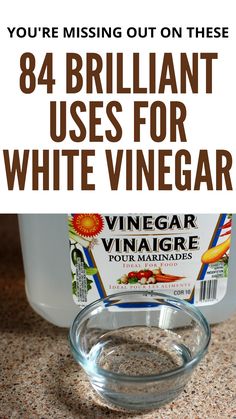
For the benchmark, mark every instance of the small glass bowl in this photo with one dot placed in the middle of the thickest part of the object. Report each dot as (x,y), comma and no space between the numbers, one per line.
(139,348)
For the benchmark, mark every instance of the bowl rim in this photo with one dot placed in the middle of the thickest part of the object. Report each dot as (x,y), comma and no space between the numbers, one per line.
(183,305)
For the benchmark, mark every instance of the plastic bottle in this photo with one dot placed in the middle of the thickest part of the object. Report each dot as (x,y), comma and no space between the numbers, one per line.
(47,262)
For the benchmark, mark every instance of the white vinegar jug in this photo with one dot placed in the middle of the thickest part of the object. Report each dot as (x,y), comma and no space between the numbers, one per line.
(185,255)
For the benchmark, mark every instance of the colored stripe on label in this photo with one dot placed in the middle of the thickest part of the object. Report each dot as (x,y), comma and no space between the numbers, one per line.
(214,242)
(97,280)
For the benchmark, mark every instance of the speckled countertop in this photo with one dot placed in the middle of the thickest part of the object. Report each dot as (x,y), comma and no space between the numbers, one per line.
(39,379)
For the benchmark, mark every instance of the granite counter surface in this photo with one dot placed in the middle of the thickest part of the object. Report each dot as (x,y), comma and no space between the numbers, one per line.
(39,379)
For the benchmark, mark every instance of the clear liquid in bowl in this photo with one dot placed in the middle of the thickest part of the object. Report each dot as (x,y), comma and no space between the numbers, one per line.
(139,351)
